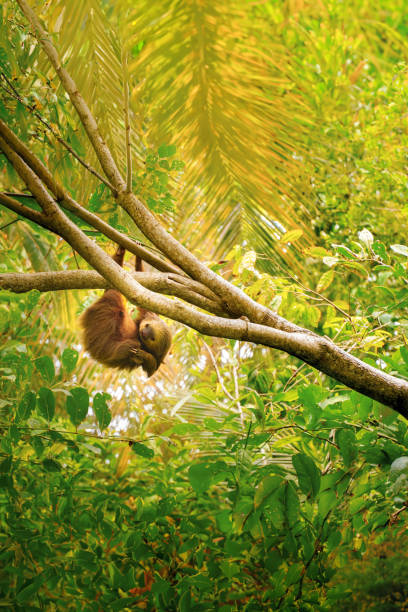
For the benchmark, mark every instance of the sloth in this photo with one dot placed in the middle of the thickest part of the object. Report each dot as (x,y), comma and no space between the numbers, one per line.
(115,339)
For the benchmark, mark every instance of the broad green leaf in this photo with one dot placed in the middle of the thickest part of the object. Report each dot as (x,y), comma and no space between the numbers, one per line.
(123,603)
(45,366)
(159,585)
(294,574)
(307,473)
(182,429)
(167,150)
(69,359)
(292,505)
(229,569)
(5,465)
(327,501)
(265,488)
(325,281)
(77,404)
(51,465)
(46,403)
(346,440)
(25,407)
(200,476)
(101,409)
(224,522)
(142,450)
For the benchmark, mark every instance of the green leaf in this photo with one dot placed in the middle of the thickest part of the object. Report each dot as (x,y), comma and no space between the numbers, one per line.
(5,465)
(379,249)
(159,585)
(28,592)
(294,574)
(167,150)
(404,353)
(25,407)
(101,409)
(69,359)
(45,366)
(51,465)
(327,501)
(142,450)
(307,473)
(77,404)
(122,603)
(267,486)
(291,236)
(325,280)
(200,476)
(224,522)
(32,298)
(229,569)
(46,403)
(346,440)
(183,428)
(292,505)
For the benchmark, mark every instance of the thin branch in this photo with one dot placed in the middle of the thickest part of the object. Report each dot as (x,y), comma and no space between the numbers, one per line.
(101,149)
(24,211)
(127,125)
(219,377)
(3,227)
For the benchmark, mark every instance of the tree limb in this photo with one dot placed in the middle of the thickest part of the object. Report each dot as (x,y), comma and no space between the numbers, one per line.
(165,283)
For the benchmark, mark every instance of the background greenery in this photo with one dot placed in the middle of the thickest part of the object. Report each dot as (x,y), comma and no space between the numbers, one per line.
(253,482)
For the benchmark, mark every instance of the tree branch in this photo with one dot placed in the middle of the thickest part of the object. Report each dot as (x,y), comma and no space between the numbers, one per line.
(168,284)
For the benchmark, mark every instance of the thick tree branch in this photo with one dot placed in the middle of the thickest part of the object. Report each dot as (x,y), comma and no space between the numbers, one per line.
(165,283)
(320,353)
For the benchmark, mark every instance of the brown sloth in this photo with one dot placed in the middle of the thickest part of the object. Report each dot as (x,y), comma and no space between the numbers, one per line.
(112,337)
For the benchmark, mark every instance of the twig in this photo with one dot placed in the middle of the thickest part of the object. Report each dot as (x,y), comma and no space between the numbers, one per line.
(227,393)
(127,125)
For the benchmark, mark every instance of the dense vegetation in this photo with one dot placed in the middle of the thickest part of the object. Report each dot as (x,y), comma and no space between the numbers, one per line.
(238,478)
